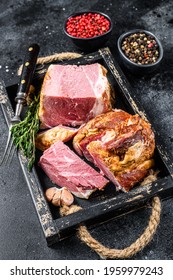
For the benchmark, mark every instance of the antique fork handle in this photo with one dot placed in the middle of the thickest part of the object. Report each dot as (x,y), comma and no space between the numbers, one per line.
(28,69)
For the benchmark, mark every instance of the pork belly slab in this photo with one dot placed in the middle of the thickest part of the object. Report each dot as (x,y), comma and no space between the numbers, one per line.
(120,144)
(71,94)
(66,169)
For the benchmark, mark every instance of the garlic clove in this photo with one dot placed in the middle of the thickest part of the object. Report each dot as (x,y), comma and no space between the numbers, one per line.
(49,193)
(66,197)
(57,198)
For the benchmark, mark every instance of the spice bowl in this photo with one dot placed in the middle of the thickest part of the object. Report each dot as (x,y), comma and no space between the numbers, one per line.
(140,50)
(88,30)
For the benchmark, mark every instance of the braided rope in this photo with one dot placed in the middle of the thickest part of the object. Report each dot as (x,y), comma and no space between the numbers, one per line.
(135,247)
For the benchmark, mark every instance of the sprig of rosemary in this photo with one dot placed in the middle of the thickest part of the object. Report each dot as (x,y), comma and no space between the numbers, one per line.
(23,133)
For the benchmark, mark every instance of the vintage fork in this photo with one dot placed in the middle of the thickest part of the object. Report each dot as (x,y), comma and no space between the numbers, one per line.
(28,69)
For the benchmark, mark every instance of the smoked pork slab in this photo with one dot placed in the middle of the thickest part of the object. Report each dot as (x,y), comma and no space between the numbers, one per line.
(66,169)
(121,146)
(49,136)
(71,94)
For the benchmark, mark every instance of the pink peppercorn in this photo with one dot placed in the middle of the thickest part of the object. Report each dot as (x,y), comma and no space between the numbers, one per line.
(87,25)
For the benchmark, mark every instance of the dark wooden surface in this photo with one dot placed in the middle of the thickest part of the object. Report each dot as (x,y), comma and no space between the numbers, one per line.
(27,22)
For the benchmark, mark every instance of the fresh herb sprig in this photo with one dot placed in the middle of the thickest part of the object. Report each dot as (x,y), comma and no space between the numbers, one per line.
(23,133)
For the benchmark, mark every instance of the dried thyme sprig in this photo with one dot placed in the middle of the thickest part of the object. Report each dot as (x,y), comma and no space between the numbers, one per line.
(23,133)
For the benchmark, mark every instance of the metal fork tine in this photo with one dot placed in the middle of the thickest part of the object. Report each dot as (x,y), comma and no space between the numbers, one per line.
(10,153)
(7,150)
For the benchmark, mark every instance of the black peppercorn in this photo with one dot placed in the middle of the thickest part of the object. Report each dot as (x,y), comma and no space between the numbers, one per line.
(141,48)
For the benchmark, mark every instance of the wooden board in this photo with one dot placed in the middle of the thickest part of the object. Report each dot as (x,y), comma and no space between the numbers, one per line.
(101,206)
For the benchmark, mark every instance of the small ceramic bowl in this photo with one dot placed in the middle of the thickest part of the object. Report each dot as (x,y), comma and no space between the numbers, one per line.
(92,43)
(150,51)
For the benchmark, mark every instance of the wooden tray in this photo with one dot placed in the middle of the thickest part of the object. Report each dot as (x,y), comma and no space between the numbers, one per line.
(101,206)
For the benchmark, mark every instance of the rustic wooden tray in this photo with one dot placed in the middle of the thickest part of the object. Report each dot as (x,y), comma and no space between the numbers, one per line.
(101,206)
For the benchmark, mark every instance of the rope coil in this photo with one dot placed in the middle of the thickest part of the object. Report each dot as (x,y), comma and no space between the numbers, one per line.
(107,253)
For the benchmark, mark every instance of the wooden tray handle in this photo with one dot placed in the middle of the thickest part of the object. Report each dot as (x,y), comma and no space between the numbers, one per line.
(135,247)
